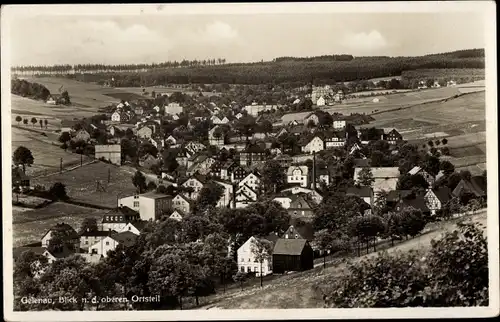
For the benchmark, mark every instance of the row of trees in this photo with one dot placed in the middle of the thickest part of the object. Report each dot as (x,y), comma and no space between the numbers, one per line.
(43,123)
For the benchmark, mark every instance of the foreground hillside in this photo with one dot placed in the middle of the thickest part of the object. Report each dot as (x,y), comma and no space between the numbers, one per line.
(298,290)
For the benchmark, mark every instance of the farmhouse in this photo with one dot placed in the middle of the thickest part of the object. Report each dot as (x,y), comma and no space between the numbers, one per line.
(111,153)
(251,180)
(394,137)
(109,243)
(64,230)
(196,183)
(475,187)
(245,196)
(300,207)
(312,117)
(339,124)
(247,261)
(321,101)
(436,199)
(292,255)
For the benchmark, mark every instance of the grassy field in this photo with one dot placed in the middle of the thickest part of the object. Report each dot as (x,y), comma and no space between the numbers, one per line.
(47,156)
(30,226)
(296,290)
(81,183)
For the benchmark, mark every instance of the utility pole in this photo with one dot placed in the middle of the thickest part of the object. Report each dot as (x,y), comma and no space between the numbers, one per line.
(109,175)
(60,166)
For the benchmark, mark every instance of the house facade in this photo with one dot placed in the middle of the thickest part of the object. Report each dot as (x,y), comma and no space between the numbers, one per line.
(173,109)
(110,152)
(247,261)
(298,175)
(316,144)
(150,205)
(181,203)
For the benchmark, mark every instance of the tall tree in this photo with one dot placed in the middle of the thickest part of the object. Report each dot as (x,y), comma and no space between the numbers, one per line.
(273,177)
(139,181)
(262,250)
(89,224)
(22,156)
(18,119)
(324,239)
(33,121)
(365,177)
(209,196)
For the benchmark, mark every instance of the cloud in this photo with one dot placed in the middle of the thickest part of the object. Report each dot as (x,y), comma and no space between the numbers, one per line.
(219,30)
(372,40)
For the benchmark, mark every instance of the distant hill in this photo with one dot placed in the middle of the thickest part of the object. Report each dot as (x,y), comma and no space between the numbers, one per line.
(295,71)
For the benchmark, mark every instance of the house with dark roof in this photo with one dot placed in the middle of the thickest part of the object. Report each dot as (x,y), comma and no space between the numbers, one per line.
(436,199)
(395,196)
(475,188)
(393,137)
(253,153)
(116,219)
(109,243)
(363,192)
(301,207)
(65,230)
(292,255)
(89,238)
(418,202)
(335,139)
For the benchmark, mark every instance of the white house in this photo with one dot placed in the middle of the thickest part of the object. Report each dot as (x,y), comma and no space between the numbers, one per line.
(335,139)
(385,178)
(321,101)
(149,205)
(298,174)
(134,227)
(436,199)
(316,144)
(177,215)
(103,246)
(245,196)
(196,183)
(173,109)
(251,180)
(115,117)
(213,139)
(284,201)
(181,203)
(339,124)
(247,261)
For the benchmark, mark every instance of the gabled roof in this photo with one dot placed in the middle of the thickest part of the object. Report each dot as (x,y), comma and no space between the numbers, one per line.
(362,191)
(63,227)
(476,185)
(289,246)
(126,238)
(415,170)
(253,148)
(154,195)
(98,233)
(443,194)
(362,163)
(396,195)
(304,169)
(291,231)
(418,203)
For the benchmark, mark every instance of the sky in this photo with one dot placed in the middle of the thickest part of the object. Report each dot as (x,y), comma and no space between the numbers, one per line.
(48,40)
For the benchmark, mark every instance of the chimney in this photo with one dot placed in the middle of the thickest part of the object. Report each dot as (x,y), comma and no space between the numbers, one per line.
(314,171)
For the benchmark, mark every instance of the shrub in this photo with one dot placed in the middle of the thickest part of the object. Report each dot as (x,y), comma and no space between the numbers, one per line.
(58,191)
(454,272)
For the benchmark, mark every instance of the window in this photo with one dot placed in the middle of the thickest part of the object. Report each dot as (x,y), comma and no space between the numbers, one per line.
(86,242)
(136,203)
(129,228)
(255,269)
(249,269)
(242,269)
(107,243)
(242,259)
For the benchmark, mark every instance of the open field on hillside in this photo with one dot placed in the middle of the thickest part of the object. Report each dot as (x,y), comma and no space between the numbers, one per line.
(29,226)
(47,157)
(81,94)
(81,183)
(27,107)
(296,290)
(450,73)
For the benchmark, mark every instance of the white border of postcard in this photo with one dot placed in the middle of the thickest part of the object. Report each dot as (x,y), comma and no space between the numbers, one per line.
(485,7)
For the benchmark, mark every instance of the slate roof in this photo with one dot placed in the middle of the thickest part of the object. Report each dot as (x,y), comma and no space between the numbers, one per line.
(362,191)
(362,163)
(476,185)
(396,195)
(126,238)
(289,246)
(443,194)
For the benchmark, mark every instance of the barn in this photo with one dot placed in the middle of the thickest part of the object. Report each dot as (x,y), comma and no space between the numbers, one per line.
(292,255)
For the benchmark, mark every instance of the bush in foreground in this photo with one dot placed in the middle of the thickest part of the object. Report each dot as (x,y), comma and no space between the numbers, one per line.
(454,272)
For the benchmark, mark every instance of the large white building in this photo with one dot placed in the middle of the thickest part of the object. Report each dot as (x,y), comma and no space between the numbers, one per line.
(150,205)
(173,109)
(103,246)
(247,261)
